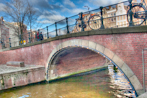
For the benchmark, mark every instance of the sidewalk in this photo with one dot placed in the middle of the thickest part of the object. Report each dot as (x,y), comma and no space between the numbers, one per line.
(8,69)
(143,95)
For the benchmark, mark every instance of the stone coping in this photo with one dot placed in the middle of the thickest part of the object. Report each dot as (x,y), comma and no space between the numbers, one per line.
(4,69)
(122,30)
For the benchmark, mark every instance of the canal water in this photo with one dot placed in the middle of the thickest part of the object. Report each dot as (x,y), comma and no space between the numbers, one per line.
(105,83)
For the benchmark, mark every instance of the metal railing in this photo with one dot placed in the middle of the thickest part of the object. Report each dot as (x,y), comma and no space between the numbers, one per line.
(101,18)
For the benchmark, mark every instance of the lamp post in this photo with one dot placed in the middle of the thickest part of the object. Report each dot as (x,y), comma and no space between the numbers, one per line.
(87,7)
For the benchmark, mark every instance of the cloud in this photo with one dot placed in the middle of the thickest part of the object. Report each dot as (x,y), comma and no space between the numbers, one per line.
(104,2)
(45,4)
(2,1)
(2,7)
(69,3)
(80,1)
(50,17)
(74,11)
(78,10)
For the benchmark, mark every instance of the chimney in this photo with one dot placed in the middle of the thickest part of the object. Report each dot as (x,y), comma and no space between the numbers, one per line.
(109,7)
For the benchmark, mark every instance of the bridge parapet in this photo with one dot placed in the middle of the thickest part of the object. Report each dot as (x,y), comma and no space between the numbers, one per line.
(123,30)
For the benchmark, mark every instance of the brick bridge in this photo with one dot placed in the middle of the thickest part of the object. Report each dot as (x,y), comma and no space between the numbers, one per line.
(66,54)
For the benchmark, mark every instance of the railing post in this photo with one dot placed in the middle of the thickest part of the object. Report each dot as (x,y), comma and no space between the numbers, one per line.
(67,25)
(102,24)
(56,28)
(20,40)
(130,13)
(29,37)
(10,42)
(47,32)
(3,43)
(82,22)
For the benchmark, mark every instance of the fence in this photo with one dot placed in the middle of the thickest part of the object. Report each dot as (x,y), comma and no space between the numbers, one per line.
(118,15)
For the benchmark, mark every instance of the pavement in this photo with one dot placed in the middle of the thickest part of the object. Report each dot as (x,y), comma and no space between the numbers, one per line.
(144,95)
(8,69)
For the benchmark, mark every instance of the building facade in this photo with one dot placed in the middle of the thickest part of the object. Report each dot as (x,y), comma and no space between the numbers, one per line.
(8,34)
(113,16)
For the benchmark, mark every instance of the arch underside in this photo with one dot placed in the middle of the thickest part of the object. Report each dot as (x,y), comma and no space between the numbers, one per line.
(105,52)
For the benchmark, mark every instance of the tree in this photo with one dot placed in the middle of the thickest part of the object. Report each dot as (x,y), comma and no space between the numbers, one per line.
(21,12)
(32,17)
(17,11)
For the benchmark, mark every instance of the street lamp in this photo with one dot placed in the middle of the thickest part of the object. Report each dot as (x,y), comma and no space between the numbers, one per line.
(87,7)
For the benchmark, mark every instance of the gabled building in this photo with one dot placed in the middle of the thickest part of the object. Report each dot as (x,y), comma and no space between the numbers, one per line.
(8,30)
(121,13)
(113,16)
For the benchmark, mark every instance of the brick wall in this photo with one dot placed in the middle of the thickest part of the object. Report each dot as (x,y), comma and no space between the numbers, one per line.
(78,59)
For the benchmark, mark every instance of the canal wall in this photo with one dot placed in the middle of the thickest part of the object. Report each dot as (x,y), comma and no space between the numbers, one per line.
(13,77)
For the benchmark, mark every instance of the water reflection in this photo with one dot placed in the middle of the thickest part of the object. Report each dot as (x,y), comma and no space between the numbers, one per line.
(100,84)
(119,83)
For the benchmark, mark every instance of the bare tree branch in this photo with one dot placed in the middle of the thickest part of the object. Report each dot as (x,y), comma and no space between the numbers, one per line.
(17,10)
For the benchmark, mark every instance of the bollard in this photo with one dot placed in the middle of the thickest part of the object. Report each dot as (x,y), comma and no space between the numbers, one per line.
(29,37)
(10,42)
(20,40)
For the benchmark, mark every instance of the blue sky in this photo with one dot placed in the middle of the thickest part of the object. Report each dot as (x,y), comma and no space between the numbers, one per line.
(55,10)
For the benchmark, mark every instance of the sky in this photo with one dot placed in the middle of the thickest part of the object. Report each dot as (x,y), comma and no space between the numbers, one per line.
(55,10)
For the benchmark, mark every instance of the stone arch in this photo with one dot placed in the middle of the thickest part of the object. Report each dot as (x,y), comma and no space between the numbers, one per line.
(111,56)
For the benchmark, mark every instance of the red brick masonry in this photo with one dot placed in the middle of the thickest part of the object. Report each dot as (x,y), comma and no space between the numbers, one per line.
(76,59)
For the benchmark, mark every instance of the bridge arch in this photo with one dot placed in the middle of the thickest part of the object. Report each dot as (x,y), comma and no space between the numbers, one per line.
(105,52)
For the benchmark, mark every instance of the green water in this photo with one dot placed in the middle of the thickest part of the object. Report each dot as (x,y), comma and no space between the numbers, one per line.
(99,84)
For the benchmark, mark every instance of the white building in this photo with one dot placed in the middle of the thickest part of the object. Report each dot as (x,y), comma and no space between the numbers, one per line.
(111,13)
(7,31)
(121,13)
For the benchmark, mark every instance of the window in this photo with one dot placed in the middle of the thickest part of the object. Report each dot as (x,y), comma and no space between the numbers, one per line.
(118,23)
(124,17)
(114,14)
(117,18)
(121,23)
(124,23)
(120,17)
